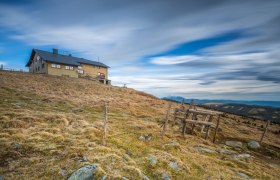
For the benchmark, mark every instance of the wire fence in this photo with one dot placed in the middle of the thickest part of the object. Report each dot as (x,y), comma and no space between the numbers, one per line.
(14,70)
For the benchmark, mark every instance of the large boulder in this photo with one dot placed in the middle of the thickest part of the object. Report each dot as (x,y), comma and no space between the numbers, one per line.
(234,144)
(84,173)
(254,145)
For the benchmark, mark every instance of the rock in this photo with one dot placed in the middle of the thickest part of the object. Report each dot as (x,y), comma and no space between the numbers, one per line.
(142,138)
(235,144)
(271,152)
(172,144)
(253,145)
(84,173)
(241,156)
(84,159)
(203,149)
(76,110)
(148,137)
(19,104)
(242,175)
(152,159)
(173,165)
(165,176)
(124,178)
(17,145)
(1,177)
(103,177)
(224,151)
(144,177)
(63,171)
(145,137)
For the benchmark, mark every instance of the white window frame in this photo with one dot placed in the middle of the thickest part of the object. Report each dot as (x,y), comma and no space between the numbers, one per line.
(67,67)
(71,68)
(80,67)
(80,71)
(56,66)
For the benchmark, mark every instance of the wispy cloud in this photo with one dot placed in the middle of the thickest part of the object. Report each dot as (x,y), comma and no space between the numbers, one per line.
(168,60)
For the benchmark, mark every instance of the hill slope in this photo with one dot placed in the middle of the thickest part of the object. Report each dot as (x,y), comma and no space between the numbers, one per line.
(265,110)
(51,126)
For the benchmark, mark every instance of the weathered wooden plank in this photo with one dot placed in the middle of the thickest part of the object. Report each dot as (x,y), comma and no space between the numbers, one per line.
(198,122)
(210,111)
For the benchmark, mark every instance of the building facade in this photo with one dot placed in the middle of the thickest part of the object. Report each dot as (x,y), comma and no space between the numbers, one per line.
(57,64)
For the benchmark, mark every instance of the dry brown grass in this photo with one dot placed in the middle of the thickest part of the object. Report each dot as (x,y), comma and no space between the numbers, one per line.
(48,123)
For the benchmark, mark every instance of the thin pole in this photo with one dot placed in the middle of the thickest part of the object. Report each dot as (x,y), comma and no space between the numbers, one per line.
(182,104)
(105,124)
(265,129)
(166,120)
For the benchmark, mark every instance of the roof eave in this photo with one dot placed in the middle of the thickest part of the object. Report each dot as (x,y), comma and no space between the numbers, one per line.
(30,58)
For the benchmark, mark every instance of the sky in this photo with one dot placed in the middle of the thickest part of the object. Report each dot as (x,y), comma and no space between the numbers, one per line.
(203,49)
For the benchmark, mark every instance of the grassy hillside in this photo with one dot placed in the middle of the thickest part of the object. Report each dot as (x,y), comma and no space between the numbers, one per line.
(260,112)
(51,126)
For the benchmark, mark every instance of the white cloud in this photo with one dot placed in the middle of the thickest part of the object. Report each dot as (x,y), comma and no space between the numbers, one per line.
(168,60)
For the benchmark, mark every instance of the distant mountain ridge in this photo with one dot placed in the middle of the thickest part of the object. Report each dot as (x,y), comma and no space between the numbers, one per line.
(203,101)
(266,110)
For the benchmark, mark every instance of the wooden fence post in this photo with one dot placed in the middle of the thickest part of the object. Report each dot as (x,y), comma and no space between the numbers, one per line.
(217,128)
(182,107)
(192,105)
(166,119)
(265,129)
(105,125)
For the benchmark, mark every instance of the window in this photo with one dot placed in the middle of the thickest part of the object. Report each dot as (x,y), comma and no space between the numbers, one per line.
(43,65)
(56,66)
(101,75)
(80,71)
(39,68)
(69,68)
(80,67)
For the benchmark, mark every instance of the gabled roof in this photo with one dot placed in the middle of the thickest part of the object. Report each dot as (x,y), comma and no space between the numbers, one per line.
(62,59)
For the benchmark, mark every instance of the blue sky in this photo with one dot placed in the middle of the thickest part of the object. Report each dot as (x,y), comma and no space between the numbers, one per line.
(196,49)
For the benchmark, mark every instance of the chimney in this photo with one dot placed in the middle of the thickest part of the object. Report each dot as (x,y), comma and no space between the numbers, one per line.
(55,51)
